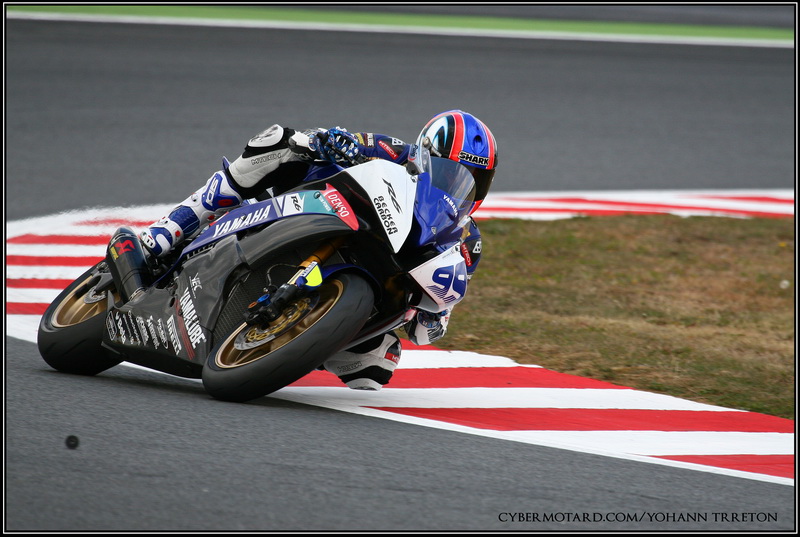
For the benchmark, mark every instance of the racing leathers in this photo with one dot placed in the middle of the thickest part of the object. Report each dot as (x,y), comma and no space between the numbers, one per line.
(275,161)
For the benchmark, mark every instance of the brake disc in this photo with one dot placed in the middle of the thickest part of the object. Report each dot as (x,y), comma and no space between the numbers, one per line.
(256,335)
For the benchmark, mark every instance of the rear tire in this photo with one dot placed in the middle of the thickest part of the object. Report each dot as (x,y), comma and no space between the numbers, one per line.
(71,329)
(303,338)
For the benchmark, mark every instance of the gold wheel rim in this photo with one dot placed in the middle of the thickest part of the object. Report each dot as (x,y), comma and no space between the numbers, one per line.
(73,309)
(229,356)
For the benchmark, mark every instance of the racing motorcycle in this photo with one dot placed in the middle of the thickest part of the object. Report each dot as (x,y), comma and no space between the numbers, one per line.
(273,288)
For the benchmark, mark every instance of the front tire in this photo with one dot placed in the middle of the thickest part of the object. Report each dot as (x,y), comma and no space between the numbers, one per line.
(71,329)
(240,368)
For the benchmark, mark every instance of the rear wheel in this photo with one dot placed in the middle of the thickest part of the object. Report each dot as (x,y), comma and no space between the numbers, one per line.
(71,329)
(254,361)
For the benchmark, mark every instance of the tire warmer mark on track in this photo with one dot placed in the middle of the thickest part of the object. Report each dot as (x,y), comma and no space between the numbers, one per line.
(467,392)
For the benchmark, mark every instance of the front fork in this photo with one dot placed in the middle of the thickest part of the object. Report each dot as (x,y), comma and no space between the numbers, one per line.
(269,307)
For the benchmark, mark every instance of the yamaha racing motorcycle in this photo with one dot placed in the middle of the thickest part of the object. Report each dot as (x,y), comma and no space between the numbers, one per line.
(273,288)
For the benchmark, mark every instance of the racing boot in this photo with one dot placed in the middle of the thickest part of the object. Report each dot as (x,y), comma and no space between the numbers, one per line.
(194,214)
(368,366)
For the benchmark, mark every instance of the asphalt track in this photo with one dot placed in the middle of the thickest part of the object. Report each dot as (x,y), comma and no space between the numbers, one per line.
(147,112)
(118,114)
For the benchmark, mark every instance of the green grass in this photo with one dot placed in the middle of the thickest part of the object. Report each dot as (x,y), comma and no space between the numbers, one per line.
(700,308)
(288,14)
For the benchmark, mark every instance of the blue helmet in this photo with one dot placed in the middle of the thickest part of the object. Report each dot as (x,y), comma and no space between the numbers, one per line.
(459,136)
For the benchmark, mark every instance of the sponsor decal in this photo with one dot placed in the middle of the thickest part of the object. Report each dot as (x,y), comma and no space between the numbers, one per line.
(310,277)
(262,213)
(389,149)
(392,195)
(297,201)
(124,246)
(173,334)
(465,254)
(451,203)
(123,335)
(195,283)
(385,215)
(392,357)
(162,335)
(190,320)
(120,247)
(473,159)
(152,329)
(211,191)
(136,339)
(122,328)
(112,329)
(142,330)
(291,204)
(264,158)
(342,208)
(349,367)
(326,208)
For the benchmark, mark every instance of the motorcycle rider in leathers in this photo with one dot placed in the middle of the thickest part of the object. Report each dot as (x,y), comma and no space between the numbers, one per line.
(278,159)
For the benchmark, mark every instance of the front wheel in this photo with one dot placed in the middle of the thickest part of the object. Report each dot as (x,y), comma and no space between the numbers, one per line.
(71,329)
(254,361)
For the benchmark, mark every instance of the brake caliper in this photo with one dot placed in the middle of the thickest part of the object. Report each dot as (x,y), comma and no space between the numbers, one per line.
(270,306)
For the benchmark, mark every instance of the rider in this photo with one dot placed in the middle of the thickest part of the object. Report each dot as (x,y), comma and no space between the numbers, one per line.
(278,159)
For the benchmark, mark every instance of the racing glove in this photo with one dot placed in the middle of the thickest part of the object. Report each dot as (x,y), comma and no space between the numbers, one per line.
(427,327)
(334,145)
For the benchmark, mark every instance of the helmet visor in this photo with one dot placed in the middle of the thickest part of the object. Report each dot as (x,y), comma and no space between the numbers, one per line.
(454,179)
(483,181)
